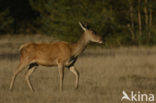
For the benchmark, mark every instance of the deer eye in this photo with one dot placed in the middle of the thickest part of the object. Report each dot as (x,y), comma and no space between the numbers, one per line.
(93,32)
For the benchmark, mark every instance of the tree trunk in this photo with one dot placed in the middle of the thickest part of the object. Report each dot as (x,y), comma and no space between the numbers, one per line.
(146,14)
(139,19)
(150,19)
(131,19)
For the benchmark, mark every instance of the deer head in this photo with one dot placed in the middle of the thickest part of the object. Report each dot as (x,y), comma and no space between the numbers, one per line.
(91,35)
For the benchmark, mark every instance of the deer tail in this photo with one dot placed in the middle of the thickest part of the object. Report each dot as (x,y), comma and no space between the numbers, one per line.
(23,46)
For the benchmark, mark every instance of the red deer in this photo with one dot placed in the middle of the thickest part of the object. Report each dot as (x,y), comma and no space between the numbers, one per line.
(61,54)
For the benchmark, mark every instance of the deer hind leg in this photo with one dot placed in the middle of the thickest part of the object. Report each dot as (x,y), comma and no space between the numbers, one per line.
(30,70)
(61,75)
(20,67)
(76,73)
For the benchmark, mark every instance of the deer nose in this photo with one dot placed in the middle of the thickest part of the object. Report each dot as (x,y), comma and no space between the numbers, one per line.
(101,42)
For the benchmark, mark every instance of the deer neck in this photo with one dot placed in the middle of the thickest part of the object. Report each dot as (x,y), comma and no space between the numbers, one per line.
(80,45)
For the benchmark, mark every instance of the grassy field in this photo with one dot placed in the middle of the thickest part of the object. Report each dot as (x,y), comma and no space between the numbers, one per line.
(104,74)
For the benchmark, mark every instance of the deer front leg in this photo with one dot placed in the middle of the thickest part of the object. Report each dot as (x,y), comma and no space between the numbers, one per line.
(61,75)
(76,73)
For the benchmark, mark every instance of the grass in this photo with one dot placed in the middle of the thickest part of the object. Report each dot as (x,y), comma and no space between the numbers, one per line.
(104,74)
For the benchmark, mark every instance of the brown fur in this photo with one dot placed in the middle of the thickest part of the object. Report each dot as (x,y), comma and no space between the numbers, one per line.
(47,54)
(23,45)
(61,54)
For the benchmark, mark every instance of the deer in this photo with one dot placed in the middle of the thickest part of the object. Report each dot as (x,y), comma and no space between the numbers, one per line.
(61,54)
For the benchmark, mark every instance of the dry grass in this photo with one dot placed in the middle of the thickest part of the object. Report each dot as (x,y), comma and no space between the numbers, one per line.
(104,74)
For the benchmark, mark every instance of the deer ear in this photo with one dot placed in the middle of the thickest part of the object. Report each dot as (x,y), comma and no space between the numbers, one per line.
(82,26)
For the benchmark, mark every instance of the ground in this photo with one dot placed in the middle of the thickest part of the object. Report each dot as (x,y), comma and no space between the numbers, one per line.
(104,74)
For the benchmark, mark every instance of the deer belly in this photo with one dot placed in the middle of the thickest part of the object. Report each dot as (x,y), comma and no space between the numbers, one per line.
(46,61)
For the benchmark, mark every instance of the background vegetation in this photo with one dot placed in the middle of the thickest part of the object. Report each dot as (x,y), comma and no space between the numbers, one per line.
(121,22)
(104,74)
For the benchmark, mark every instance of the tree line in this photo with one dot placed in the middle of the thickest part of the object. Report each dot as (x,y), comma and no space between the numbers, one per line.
(121,22)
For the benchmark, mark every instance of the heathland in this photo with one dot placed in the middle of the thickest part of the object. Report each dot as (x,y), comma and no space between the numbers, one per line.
(104,74)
